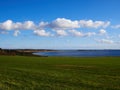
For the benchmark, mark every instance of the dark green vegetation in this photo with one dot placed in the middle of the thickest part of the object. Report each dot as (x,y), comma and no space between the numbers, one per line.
(21,52)
(59,73)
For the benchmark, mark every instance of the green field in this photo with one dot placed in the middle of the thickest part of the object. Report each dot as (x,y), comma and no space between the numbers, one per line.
(59,73)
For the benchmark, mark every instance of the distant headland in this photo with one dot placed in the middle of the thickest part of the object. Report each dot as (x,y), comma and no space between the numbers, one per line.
(21,52)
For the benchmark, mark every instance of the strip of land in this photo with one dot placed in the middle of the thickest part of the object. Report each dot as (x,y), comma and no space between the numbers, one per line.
(22,52)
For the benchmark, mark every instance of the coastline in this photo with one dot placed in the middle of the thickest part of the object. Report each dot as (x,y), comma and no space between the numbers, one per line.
(23,52)
(36,52)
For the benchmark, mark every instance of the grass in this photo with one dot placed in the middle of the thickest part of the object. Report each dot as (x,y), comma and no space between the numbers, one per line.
(59,73)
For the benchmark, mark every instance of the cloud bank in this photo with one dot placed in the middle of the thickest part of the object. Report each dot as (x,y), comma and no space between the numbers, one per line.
(60,27)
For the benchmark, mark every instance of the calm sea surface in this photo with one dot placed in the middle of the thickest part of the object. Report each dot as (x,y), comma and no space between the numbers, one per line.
(81,53)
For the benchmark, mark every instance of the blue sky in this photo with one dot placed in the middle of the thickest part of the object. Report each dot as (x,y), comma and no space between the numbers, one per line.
(60,24)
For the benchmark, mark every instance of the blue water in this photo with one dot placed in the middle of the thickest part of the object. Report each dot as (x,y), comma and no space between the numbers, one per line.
(81,53)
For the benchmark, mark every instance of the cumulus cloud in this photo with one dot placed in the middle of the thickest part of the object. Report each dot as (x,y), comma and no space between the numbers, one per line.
(106,41)
(61,33)
(76,33)
(43,25)
(10,25)
(80,34)
(60,25)
(102,31)
(7,25)
(17,26)
(42,33)
(28,25)
(93,24)
(16,32)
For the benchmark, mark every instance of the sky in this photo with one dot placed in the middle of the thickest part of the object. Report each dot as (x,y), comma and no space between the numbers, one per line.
(60,24)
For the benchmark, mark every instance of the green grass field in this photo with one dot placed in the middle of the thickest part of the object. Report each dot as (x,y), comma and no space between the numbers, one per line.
(59,73)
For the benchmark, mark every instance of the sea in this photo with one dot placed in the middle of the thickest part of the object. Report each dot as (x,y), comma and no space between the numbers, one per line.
(80,53)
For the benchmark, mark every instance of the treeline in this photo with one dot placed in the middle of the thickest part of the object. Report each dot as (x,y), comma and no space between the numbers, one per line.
(21,52)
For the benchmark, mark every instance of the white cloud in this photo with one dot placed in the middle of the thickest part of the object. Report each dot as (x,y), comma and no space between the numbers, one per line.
(80,34)
(76,33)
(61,33)
(62,23)
(17,26)
(59,25)
(16,32)
(43,25)
(93,24)
(106,41)
(29,25)
(10,25)
(102,31)
(42,33)
(7,25)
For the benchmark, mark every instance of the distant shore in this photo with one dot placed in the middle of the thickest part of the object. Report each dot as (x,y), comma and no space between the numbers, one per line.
(30,52)
(22,52)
